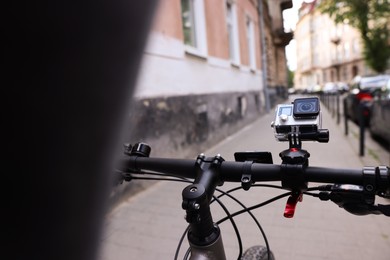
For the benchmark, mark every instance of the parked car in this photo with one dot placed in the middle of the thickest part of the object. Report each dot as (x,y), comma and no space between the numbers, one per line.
(292,91)
(380,113)
(330,88)
(342,87)
(361,92)
(335,87)
(314,89)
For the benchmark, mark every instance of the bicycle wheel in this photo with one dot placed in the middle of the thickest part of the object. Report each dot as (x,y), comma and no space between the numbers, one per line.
(257,253)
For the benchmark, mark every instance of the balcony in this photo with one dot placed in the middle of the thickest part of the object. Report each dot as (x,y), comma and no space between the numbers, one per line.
(282,38)
(286,5)
(335,40)
(336,61)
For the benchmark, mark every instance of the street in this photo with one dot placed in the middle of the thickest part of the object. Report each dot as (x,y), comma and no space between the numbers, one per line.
(149,224)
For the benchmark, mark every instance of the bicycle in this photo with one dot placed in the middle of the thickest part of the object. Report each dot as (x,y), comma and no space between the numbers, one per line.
(354,189)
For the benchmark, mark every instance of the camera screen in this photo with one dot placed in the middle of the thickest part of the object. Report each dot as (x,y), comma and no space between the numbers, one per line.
(287,110)
(306,107)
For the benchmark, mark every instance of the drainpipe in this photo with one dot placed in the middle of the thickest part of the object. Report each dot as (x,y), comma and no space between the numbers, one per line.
(263,55)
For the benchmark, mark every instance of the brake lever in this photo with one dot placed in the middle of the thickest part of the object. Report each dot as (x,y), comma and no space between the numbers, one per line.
(353,199)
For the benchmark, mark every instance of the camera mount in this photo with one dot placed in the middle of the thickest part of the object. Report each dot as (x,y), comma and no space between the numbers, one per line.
(297,122)
(300,121)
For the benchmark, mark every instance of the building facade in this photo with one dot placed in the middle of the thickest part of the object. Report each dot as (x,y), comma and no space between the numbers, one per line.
(326,52)
(202,72)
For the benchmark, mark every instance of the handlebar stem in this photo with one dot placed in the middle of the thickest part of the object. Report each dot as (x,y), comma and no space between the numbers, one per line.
(196,201)
(208,173)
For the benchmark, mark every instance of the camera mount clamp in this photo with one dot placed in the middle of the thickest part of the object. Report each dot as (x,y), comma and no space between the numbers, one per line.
(294,162)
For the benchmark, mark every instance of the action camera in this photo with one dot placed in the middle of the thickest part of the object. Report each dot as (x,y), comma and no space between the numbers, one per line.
(302,117)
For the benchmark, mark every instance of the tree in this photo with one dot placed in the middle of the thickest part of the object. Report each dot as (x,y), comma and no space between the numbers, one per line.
(290,79)
(372,19)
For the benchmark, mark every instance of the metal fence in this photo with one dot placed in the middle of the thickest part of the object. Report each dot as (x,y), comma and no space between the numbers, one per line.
(336,103)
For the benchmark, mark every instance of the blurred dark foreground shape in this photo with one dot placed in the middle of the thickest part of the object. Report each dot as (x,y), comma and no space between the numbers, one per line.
(70,69)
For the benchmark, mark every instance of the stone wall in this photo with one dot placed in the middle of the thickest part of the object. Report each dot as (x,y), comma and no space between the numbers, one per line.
(188,125)
(185,126)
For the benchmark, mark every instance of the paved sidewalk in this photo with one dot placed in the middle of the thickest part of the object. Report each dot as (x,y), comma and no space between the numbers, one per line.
(149,224)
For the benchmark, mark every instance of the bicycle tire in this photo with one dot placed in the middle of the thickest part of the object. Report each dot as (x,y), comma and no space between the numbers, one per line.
(257,253)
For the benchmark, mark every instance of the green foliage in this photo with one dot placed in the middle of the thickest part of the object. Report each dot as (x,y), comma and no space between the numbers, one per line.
(290,79)
(376,49)
(372,19)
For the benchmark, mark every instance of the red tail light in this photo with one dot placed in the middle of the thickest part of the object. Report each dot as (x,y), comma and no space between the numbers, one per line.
(364,96)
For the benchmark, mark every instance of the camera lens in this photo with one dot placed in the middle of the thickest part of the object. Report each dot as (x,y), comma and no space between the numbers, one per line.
(306,107)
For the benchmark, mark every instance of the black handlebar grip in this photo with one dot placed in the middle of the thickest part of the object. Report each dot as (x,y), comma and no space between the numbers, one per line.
(181,167)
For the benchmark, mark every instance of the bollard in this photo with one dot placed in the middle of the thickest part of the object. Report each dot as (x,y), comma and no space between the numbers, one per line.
(338,107)
(333,105)
(327,101)
(345,115)
(361,129)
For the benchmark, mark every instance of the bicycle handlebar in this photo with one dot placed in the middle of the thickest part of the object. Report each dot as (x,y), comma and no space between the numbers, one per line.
(352,189)
(231,171)
(294,174)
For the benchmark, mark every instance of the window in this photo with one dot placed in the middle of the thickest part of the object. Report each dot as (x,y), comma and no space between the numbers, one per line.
(356,47)
(251,43)
(194,28)
(345,73)
(231,22)
(188,19)
(346,50)
(316,58)
(339,53)
(355,71)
